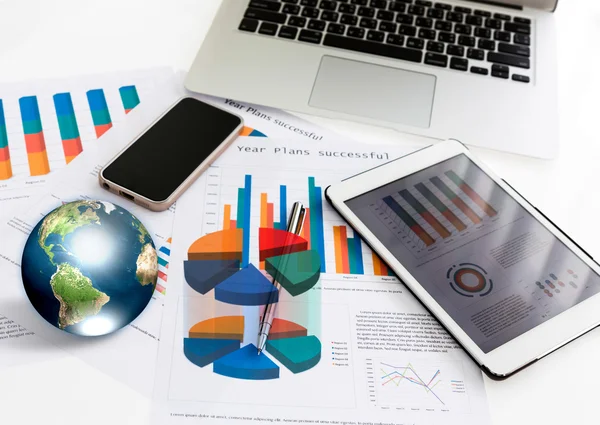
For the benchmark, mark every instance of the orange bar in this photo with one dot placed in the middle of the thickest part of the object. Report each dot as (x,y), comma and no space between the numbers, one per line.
(35,142)
(344,242)
(489,210)
(270,215)
(5,170)
(376,264)
(263,210)
(337,242)
(226,217)
(467,210)
(245,131)
(306,228)
(38,163)
(222,245)
(70,158)
(101,129)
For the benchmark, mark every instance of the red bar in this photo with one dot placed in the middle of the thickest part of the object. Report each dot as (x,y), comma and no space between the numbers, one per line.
(487,208)
(460,226)
(306,227)
(466,209)
(72,147)
(421,233)
(4,154)
(162,275)
(437,226)
(344,243)
(35,142)
(101,129)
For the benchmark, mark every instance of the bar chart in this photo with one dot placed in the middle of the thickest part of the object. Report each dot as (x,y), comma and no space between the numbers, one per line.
(259,204)
(438,212)
(46,124)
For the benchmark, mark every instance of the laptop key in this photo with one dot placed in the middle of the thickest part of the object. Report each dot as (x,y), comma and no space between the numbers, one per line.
(309,36)
(500,71)
(462,9)
(427,34)
(367,23)
(502,36)
(462,29)
(434,46)
(494,24)
(425,3)
(459,64)
(522,39)
(435,13)
(388,26)
(446,37)
(397,40)
(330,16)
(290,1)
(267,28)
(347,8)
(514,50)
(474,20)
(520,20)
(336,29)
(415,43)
(404,19)
(455,50)
(520,28)
(502,58)
(375,36)
(479,70)
(309,12)
(366,12)
(349,20)
(454,17)
(290,9)
(385,15)
(520,78)
(379,49)
(443,26)
(297,21)
(465,40)
(288,32)
(476,54)
(265,15)
(424,22)
(407,30)
(416,10)
(483,32)
(356,32)
(266,5)
(486,44)
(328,5)
(249,25)
(443,6)
(316,25)
(309,3)
(502,16)
(397,7)
(379,4)
(360,2)
(436,59)
(483,13)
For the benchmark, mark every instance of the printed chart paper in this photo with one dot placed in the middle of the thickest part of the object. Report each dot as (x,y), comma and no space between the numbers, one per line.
(349,343)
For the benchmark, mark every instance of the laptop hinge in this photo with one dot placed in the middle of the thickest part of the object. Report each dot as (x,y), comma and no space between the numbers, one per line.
(547,5)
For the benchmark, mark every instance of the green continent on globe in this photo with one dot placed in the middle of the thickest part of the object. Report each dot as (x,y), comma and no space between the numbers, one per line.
(76,294)
(147,265)
(143,233)
(65,220)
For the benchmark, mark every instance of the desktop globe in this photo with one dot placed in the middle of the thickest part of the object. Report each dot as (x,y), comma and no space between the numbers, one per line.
(89,267)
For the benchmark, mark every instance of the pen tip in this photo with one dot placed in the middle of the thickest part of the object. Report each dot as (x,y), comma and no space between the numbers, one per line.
(259,351)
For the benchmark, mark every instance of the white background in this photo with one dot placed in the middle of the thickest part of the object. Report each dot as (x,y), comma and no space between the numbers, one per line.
(56,38)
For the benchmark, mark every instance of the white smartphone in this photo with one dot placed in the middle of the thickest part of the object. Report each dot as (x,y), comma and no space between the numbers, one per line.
(164,160)
(507,283)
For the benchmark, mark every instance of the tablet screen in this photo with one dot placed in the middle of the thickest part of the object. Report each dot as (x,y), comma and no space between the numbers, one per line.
(495,269)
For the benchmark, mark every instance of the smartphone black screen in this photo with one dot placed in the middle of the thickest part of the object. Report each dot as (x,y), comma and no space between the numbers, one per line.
(156,164)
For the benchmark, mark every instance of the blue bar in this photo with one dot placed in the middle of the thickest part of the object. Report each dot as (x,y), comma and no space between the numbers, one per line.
(29,108)
(358,265)
(63,104)
(317,239)
(97,100)
(165,250)
(246,227)
(282,225)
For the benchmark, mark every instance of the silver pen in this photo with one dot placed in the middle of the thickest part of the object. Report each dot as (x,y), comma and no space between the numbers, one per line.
(294,228)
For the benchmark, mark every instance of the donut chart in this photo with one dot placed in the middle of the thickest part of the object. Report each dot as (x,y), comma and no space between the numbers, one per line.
(469,280)
(214,269)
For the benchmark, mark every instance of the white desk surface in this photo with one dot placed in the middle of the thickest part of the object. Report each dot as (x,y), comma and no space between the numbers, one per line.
(55,38)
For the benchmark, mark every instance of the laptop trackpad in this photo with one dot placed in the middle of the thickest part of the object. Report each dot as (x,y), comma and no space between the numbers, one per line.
(374,91)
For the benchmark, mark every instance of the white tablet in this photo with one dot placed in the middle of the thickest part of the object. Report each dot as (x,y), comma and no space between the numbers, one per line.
(508,284)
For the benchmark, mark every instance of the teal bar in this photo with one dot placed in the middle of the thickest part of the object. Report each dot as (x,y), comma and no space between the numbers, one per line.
(101,117)
(32,127)
(129,97)
(240,209)
(352,260)
(3,137)
(68,127)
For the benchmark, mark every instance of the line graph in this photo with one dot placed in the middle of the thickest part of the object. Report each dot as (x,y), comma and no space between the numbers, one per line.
(416,384)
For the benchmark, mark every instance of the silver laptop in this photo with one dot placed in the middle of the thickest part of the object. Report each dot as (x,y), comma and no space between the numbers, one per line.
(480,72)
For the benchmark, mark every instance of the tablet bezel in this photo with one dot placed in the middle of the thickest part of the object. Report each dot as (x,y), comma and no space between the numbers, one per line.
(516,353)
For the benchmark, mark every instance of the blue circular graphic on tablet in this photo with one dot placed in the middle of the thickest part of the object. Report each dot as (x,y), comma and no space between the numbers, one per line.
(89,267)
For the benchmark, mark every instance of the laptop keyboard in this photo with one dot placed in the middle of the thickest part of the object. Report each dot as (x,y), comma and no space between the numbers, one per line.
(420,31)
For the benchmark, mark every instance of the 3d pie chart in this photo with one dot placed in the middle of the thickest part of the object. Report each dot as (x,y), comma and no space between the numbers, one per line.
(214,264)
